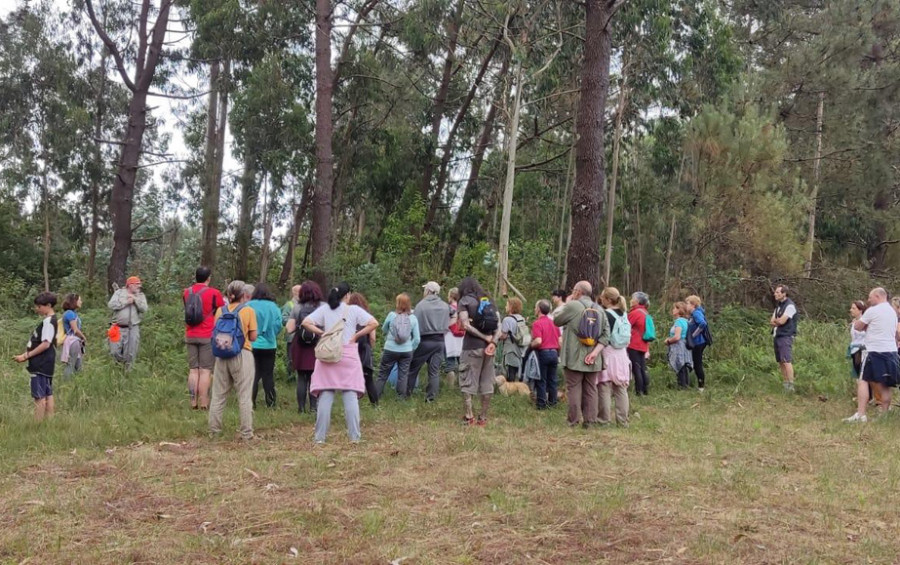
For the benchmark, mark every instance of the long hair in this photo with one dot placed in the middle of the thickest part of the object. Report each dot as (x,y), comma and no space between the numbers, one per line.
(358,299)
(470,287)
(337,294)
(404,304)
(614,297)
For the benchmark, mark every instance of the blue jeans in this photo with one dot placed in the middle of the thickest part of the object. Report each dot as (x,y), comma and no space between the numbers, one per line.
(545,389)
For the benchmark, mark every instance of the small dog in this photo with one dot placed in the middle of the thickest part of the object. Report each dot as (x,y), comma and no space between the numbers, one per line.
(561,396)
(511,389)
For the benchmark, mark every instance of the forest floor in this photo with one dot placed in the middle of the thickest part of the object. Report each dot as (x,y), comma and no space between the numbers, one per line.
(695,479)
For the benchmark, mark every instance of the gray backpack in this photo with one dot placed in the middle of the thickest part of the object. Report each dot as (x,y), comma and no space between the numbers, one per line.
(401,329)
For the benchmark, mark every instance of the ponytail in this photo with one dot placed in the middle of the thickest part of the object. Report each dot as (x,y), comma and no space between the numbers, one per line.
(337,294)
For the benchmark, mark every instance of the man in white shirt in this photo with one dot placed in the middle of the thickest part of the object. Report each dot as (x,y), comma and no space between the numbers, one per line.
(882,365)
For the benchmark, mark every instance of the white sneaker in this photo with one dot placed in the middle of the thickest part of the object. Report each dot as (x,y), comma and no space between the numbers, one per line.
(861,418)
(700,390)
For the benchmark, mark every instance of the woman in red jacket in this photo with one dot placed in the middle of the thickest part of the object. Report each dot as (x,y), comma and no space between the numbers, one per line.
(638,349)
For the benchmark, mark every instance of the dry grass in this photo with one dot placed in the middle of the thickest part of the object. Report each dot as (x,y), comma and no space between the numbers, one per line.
(761,480)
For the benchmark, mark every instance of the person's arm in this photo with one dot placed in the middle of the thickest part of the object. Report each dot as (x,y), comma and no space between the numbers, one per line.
(370,327)
(472,330)
(313,321)
(278,327)
(591,357)
(416,334)
(140,302)
(700,320)
(676,337)
(73,325)
(116,301)
(536,339)
(386,326)
(604,332)
(291,326)
(42,347)
(568,313)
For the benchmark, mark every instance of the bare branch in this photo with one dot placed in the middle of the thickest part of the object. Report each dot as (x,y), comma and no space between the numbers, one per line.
(113,50)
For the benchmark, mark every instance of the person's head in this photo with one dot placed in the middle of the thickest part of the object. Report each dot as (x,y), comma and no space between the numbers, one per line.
(453,294)
(133,284)
(877,296)
(857,307)
(612,298)
(640,299)
(235,291)
(470,287)
(203,275)
(72,302)
(403,303)
(895,302)
(263,292)
(542,308)
(310,291)
(357,299)
(295,292)
(338,294)
(513,306)
(679,309)
(693,302)
(44,303)
(583,288)
(430,288)
(781,293)
(249,289)
(559,296)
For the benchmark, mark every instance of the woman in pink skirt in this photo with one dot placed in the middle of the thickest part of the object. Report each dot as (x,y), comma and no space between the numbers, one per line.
(345,376)
(615,377)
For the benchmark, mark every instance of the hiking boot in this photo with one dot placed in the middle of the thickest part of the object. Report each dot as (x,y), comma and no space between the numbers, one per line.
(466,421)
(857,418)
(789,387)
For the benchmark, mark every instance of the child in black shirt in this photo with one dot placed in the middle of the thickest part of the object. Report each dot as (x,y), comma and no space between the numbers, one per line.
(41,356)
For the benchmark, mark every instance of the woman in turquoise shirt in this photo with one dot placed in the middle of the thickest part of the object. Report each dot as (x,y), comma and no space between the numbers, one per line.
(268,320)
(401,331)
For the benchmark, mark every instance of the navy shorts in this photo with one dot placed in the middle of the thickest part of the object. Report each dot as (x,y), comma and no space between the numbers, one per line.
(883,368)
(41,386)
(784,349)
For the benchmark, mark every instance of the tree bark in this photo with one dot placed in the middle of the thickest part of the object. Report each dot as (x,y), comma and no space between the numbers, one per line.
(217,114)
(321,224)
(45,206)
(249,196)
(269,203)
(669,254)
(583,262)
(98,167)
(611,207)
(814,197)
(509,186)
(287,269)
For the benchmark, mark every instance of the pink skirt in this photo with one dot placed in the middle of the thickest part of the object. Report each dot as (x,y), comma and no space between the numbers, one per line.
(346,374)
(617,366)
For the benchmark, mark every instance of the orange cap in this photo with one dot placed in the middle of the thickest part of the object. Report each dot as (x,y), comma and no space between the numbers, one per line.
(133,280)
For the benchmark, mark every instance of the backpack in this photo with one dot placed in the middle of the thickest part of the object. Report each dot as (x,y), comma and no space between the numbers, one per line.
(331,344)
(523,333)
(302,335)
(620,336)
(486,319)
(228,336)
(590,326)
(401,328)
(193,307)
(649,329)
(60,332)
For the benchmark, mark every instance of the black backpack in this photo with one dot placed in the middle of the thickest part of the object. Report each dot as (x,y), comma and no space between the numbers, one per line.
(302,335)
(193,307)
(486,319)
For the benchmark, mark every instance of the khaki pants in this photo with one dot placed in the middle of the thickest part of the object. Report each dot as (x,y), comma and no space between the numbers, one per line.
(476,372)
(581,390)
(608,390)
(237,372)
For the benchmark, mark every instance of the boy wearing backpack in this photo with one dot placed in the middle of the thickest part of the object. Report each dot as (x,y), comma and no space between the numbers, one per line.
(40,353)
(586,327)
(234,330)
(200,305)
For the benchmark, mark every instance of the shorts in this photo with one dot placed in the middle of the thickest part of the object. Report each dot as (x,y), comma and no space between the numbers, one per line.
(41,386)
(784,345)
(882,368)
(199,353)
(476,372)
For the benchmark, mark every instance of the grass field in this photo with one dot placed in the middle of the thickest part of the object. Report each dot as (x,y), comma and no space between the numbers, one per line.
(741,474)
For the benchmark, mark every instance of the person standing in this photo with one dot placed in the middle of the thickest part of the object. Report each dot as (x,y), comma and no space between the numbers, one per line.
(366,349)
(237,371)
(545,343)
(638,349)
(699,337)
(515,338)
(40,353)
(200,305)
(453,337)
(401,331)
(882,364)
(478,315)
(433,315)
(286,310)
(784,328)
(580,352)
(75,342)
(616,373)
(268,320)
(129,306)
(303,344)
(345,376)
(678,356)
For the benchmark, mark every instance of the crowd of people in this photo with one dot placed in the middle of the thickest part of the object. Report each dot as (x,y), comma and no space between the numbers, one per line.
(600,342)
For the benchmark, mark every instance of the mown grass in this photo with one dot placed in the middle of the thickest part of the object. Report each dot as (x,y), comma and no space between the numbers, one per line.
(742,474)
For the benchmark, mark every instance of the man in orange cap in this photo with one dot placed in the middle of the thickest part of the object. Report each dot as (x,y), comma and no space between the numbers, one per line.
(128,305)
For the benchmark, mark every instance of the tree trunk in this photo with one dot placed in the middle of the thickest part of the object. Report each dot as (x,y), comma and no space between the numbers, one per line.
(611,206)
(639,245)
(97,173)
(583,262)
(509,186)
(669,254)
(321,223)
(217,113)
(878,249)
(249,196)
(814,197)
(287,269)
(45,205)
(269,202)
(565,228)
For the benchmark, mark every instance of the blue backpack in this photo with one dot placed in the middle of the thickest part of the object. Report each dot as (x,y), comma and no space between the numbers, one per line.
(228,337)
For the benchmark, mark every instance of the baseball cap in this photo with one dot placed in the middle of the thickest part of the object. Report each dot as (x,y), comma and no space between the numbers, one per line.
(432,287)
(133,280)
